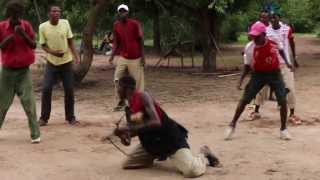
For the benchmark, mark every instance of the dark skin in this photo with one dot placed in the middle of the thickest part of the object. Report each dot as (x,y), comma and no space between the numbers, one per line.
(264,18)
(123,16)
(54,17)
(275,22)
(259,40)
(154,119)
(15,12)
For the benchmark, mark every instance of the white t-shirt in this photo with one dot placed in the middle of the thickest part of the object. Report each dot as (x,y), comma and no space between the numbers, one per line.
(248,53)
(281,36)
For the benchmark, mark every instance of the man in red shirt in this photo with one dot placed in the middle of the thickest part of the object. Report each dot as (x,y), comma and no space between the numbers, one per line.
(265,67)
(17,44)
(128,45)
(160,137)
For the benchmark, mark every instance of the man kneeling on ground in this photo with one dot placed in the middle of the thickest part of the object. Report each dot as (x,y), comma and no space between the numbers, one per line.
(160,136)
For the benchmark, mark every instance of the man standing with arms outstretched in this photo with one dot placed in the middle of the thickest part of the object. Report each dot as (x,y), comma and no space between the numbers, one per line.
(56,39)
(17,44)
(128,45)
(265,67)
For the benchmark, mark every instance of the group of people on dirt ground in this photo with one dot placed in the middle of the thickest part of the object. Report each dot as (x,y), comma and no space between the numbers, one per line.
(267,56)
(160,137)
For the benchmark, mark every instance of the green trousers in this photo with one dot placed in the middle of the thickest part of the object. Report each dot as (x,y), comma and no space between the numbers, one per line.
(18,81)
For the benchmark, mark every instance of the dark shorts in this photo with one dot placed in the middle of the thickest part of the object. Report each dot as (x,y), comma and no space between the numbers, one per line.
(259,80)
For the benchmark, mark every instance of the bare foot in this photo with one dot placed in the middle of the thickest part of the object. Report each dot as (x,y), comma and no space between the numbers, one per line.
(212,159)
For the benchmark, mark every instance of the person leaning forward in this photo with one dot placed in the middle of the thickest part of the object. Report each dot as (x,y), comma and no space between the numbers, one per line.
(265,68)
(160,137)
(17,44)
(56,39)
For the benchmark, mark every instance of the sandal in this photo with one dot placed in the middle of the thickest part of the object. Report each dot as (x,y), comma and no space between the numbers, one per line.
(295,120)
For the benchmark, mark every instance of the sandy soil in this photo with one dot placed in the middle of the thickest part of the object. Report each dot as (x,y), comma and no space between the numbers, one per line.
(204,104)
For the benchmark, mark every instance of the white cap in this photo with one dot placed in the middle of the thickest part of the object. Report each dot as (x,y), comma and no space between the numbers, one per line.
(123,6)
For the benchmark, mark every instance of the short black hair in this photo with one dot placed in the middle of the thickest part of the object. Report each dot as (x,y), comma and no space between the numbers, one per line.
(53,5)
(13,5)
(127,82)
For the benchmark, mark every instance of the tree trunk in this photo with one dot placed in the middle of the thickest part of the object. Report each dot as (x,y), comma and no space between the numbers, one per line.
(206,37)
(156,30)
(82,69)
(36,7)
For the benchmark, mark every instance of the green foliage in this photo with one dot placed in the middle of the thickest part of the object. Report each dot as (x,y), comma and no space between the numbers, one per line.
(298,15)
(232,26)
(176,21)
(175,29)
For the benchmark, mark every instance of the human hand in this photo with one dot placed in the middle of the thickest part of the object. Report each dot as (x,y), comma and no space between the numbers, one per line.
(58,53)
(239,85)
(18,29)
(291,67)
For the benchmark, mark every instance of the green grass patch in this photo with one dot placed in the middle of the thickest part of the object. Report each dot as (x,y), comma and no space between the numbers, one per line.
(243,38)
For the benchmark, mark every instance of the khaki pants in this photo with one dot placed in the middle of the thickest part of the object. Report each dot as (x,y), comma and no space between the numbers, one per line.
(133,67)
(288,78)
(189,165)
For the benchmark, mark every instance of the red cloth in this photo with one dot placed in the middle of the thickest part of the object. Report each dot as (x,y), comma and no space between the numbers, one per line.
(136,105)
(127,37)
(17,53)
(266,57)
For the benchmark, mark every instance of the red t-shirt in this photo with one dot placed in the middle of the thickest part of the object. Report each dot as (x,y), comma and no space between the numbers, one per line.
(17,53)
(127,38)
(136,105)
(266,57)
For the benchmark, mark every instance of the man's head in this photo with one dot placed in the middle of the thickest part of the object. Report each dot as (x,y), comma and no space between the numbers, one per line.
(123,12)
(264,17)
(14,10)
(258,33)
(127,86)
(275,20)
(54,13)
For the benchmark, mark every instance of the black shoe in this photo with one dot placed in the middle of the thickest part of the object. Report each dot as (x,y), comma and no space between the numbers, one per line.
(42,122)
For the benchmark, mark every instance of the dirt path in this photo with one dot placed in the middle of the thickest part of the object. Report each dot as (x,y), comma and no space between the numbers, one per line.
(203,104)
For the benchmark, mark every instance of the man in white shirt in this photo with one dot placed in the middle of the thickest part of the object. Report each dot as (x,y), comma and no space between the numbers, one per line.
(283,35)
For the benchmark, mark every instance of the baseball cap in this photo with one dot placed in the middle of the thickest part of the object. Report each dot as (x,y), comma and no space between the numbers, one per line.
(123,6)
(257,28)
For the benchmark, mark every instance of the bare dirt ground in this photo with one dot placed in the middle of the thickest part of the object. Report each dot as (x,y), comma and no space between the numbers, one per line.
(204,104)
